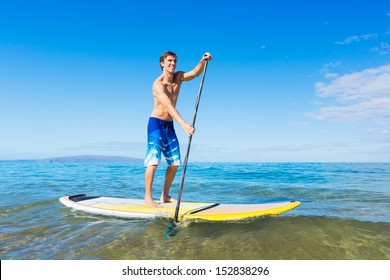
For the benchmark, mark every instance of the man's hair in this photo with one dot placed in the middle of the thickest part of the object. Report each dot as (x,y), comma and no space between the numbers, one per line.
(165,55)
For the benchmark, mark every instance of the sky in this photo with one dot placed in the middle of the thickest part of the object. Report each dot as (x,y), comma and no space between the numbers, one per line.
(290,81)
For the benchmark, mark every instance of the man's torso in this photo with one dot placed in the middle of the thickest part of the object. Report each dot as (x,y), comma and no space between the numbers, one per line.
(172,91)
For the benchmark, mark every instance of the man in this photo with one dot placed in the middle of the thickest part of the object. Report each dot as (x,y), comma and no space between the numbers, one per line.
(161,134)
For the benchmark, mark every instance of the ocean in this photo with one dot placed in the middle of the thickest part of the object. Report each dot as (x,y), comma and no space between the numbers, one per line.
(344,215)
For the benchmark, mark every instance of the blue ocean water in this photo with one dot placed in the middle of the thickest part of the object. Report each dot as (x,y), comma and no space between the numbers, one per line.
(345,212)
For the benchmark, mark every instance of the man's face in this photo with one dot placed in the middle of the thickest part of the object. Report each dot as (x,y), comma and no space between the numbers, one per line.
(169,63)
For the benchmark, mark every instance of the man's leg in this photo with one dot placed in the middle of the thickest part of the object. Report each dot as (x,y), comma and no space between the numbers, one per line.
(169,176)
(149,176)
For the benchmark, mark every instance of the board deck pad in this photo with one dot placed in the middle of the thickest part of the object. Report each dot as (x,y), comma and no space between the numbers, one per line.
(135,208)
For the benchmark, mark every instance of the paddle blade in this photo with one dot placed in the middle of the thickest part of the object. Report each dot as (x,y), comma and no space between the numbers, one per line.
(171,230)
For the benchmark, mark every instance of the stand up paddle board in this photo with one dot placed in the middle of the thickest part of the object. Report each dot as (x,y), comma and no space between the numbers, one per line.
(134,208)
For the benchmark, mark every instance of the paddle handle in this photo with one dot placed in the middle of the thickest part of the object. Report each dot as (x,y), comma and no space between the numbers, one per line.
(176,217)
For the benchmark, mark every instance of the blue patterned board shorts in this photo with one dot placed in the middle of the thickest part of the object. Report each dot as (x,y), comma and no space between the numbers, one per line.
(162,138)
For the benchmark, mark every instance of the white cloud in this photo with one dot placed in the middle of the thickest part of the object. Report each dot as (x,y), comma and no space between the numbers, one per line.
(329,67)
(357,38)
(383,49)
(358,96)
(369,109)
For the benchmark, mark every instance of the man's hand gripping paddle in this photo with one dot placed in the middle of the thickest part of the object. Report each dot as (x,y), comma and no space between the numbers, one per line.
(175,220)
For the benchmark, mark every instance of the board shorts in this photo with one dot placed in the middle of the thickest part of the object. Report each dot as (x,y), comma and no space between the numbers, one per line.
(162,139)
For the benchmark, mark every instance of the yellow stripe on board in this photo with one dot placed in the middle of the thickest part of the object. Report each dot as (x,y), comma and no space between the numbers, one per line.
(243,215)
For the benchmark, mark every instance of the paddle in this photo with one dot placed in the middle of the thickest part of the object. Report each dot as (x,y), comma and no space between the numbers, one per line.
(176,217)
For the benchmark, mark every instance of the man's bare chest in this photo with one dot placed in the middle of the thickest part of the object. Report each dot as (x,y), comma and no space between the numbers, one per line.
(172,91)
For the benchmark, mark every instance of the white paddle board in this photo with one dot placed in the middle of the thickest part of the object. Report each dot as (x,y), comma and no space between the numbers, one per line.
(134,208)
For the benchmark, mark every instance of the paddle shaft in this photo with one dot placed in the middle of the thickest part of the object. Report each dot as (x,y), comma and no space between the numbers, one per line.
(176,217)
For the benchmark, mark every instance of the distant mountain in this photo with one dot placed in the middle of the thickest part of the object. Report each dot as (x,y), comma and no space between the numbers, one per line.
(93,158)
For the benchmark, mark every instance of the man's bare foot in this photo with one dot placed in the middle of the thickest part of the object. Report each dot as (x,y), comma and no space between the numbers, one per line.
(152,204)
(167,199)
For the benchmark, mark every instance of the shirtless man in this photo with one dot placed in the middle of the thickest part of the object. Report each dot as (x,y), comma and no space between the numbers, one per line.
(161,134)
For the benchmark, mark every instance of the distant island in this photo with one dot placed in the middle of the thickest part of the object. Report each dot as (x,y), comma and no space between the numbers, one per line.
(87,158)
(94,158)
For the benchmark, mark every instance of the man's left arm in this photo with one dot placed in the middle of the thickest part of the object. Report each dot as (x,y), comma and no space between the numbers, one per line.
(187,76)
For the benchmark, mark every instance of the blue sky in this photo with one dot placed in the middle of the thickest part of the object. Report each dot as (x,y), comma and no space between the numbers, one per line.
(290,80)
